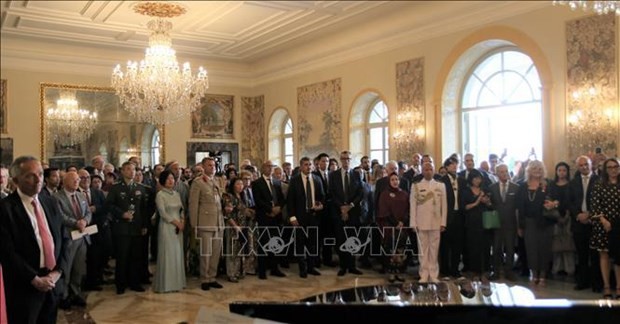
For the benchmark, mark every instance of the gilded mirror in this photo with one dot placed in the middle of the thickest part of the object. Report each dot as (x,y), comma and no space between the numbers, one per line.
(79,122)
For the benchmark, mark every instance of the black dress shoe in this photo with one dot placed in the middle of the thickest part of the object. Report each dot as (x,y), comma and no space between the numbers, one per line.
(355,271)
(341,272)
(215,285)
(137,288)
(277,273)
(205,286)
(65,304)
(284,265)
(303,275)
(120,291)
(314,272)
(78,301)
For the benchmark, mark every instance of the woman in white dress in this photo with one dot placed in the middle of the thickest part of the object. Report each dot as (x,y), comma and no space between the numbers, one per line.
(170,271)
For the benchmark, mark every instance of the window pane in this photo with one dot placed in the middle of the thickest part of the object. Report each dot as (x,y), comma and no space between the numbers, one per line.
(376,138)
(288,146)
(377,155)
(489,66)
(288,127)
(470,95)
(516,61)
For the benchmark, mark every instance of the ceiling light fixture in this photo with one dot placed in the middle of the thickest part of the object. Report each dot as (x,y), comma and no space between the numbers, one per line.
(599,7)
(157,90)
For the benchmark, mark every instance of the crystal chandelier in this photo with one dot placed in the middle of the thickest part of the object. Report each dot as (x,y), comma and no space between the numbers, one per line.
(69,124)
(599,7)
(156,90)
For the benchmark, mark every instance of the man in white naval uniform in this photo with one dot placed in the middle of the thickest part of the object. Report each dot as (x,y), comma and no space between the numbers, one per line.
(428,216)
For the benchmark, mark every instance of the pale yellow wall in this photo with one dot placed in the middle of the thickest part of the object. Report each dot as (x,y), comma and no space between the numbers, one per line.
(544,28)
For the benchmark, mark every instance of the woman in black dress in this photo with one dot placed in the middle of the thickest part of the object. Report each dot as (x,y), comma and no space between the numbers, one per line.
(473,200)
(606,222)
(562,246)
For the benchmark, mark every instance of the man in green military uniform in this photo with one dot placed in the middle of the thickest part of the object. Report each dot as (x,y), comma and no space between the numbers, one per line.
(127,202)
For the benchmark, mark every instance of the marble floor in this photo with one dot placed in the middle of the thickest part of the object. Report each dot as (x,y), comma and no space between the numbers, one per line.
(183,307)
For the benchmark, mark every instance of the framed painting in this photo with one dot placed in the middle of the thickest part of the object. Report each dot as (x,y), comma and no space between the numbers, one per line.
(3,107)
(222,152)
(6,151)
(214,118)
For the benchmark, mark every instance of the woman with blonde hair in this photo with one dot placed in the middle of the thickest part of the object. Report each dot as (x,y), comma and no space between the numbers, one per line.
(536,202)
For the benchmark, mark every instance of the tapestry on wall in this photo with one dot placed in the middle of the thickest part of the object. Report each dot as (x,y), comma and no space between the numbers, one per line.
(3,107)
(214,117)
(320,128)
(592,86)
(253,126)
(410,125)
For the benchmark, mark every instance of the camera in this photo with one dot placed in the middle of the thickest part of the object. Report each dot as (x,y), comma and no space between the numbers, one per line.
(598,150)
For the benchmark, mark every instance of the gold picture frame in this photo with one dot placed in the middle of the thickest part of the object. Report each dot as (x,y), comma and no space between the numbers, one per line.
(112,134)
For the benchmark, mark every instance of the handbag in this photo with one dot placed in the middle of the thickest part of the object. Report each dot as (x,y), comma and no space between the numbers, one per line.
(490,219)
(552,215)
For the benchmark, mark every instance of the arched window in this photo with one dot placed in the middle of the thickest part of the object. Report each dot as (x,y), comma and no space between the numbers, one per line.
(155,143)
(368,128)
(378,137)
(287,141)
(501,108)
(281,145)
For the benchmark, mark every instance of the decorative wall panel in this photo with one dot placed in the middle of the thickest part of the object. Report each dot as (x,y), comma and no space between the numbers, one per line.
(320,127)
(592,85)
(409,136)
(253,129)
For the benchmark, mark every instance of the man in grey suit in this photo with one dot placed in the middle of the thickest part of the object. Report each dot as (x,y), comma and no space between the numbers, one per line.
(76,216)
(503,194)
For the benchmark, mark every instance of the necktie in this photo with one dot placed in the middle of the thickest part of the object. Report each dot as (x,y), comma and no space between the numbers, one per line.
(87,197)
(46,238)
(76,207)
(584,206)
(308,193)
(346,186)
(504,186)
(274,198)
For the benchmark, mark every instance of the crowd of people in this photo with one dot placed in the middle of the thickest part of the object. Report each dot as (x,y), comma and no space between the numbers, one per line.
(60,229)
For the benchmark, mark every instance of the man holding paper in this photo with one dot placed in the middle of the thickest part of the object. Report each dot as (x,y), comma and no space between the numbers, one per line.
(76,216)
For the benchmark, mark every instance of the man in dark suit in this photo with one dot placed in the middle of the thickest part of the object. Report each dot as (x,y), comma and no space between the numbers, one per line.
(326,223)
(470,165)
(95,255)
(414,169)
(347,194)
(76,216)
(503,194)
(453,238)
(269,201)
(305,201)
(580,189)
(51,176)
(126,202)
(33,247)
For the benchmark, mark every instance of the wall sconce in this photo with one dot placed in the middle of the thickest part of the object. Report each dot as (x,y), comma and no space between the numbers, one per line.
(410,133)
(590,125)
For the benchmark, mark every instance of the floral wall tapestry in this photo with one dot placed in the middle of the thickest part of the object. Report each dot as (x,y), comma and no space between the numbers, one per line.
(592,86)
(320,127)
(253,128)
